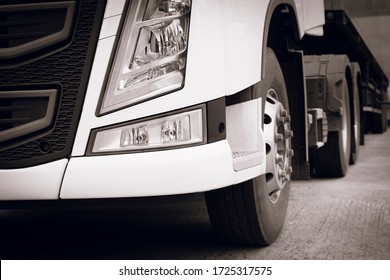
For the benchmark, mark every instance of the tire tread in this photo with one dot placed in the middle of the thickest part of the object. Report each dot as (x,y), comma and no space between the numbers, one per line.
(233,215)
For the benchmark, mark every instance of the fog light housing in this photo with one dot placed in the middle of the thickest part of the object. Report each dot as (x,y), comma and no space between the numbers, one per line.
(179,129)
(151,55)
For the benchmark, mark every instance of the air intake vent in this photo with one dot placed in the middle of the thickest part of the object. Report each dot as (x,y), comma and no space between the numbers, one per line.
(26,30)
(23,113)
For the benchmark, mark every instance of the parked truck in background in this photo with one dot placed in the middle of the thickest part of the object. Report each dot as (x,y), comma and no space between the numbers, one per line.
(117,99)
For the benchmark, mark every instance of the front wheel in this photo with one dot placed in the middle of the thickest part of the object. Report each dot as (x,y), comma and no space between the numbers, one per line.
(253,212)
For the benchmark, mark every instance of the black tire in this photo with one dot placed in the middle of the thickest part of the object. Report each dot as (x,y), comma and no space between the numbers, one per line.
(363,129)
(355,125)
(247,213)
(332,160)
(377,123)
(384,118)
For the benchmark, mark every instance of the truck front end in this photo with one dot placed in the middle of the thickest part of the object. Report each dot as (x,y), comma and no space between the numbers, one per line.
(106,99)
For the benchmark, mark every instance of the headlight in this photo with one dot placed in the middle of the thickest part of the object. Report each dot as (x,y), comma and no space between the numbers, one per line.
(178,129)
(151,56)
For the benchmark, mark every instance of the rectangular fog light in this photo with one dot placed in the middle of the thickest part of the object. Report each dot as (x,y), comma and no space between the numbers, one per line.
(185,128)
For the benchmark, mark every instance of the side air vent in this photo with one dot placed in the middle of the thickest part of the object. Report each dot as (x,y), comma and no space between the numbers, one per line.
(33,29)
(23,113)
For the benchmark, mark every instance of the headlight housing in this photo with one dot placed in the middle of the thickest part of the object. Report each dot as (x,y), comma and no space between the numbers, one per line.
(151,55)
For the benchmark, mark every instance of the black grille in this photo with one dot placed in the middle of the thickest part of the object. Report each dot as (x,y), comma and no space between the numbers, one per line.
(30,30)
(68,68)
(23,27)
(16,112)
(24,113)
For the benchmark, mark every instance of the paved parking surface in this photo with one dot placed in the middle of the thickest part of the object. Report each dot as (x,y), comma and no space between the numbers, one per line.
(346,218)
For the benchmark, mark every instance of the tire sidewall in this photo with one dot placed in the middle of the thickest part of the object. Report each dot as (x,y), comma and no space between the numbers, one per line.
(271,215)
(345,155)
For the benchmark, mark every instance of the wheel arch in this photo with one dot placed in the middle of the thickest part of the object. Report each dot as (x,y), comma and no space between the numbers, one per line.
(274,29)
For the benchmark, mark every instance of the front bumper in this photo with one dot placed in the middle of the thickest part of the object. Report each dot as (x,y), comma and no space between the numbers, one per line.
(180,171)
(177,171)
(40,182)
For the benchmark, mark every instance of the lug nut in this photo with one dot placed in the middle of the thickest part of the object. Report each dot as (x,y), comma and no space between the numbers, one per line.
(284,113)
(288,119)
(279,137)
(279,158)
(289,134)
(281,120)
(290,152)
(289,170)
(282,174)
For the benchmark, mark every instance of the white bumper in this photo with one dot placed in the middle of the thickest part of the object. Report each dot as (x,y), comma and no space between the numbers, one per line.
(180,171)
(171,172)
(34,183)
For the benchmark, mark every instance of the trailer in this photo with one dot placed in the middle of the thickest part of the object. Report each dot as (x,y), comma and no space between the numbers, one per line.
(112,99)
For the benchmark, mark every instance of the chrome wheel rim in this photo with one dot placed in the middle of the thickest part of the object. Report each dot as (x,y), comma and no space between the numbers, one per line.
(278,145)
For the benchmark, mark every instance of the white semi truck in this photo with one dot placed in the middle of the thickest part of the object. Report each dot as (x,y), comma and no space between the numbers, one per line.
(106,99)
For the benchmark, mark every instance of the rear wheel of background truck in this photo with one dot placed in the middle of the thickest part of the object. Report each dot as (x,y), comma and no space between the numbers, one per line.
(332,160)
(374,122)
(253,212)
(378,121)
(384,117)
(355,116)
(384,112)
